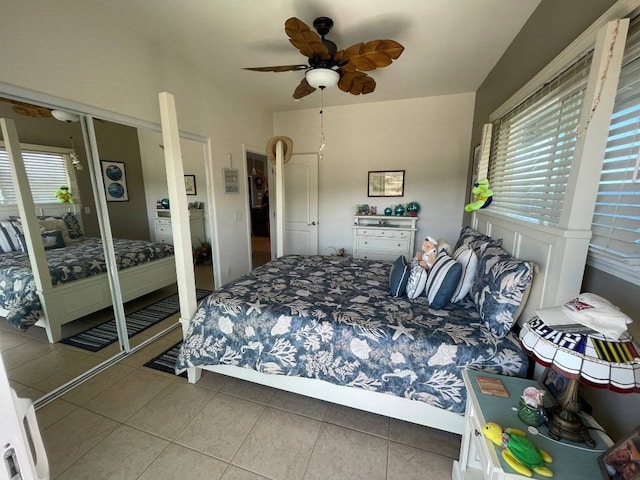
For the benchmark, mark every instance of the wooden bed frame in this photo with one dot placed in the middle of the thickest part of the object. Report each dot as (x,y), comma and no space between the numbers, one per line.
(557,279)
(67,302)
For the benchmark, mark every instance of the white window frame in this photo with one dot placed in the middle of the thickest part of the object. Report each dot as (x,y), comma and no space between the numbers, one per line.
(69,169)
(582,187)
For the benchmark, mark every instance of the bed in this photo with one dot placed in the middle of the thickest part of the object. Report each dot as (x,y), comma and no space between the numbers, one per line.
(327,327)
(79,281)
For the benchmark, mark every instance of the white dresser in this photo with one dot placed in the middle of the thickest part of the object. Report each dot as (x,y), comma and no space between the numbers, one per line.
(162,224)
(382,237)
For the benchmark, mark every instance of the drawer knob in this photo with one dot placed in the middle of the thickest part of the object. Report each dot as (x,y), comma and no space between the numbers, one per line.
(476,432)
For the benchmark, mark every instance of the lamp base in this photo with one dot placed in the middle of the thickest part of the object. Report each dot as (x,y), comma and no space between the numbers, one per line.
(565,424)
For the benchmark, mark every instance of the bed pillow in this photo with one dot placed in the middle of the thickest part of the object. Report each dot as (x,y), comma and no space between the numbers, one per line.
(500,288)
(476,240)
(70,221)
(399,276)
(467,258)
(73,226)
(50,239)
(56,224)
(417,280)
(442,280)
(8,237)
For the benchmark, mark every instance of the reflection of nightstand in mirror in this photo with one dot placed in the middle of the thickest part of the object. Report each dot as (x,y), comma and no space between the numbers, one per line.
(482,460)
(162,227)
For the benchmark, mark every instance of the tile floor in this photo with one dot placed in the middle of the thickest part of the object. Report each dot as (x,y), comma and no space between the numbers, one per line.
(131,422)
(36,367)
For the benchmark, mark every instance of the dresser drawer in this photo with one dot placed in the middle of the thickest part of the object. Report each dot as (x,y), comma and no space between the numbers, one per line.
(373,255)
(382,233)
(163,230)
(162,221)
(384,245)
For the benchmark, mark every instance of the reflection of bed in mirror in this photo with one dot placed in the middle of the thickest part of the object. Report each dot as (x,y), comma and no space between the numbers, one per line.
(79,282)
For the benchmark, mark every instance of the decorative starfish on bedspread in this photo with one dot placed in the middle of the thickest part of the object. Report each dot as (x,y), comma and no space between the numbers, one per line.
(255,307)
(402,330)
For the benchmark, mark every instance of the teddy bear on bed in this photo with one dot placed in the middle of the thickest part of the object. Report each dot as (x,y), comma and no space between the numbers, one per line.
(429,251)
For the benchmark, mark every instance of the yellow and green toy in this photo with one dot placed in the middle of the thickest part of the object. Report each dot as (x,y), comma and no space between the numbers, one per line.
(63,195)
(518,450)
(482,196)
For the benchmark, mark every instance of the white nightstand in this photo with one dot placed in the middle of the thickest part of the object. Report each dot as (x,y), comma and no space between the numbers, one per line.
(384,237)
(482,460)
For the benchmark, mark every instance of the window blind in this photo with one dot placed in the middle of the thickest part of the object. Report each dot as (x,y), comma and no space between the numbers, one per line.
(616,221)
(46,172)
(533,146)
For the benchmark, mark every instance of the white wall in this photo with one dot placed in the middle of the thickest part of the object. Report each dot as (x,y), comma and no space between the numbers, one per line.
(60,49)
(427,137)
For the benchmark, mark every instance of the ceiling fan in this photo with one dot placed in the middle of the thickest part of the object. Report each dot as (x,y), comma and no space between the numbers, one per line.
(36,111)
(329,66)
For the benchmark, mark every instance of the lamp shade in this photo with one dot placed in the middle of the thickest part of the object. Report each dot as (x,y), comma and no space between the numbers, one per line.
(585,355)
(322,77)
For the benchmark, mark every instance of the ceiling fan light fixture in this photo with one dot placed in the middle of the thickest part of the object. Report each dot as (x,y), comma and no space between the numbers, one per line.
(322,77)
(65,116)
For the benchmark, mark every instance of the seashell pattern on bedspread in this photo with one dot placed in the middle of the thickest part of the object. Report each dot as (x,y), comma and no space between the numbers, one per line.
(84,258)
(332,318)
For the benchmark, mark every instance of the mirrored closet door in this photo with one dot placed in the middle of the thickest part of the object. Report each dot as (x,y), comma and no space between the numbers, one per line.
(70,284)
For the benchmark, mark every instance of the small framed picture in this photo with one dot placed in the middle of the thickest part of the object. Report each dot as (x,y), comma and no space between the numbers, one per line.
(231,180)
(388,183)
(622,460)
(555,382)
(115,181)
(190,184)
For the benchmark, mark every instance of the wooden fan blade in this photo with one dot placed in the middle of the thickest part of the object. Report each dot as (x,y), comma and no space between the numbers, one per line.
(356,83)
(304,39)
(303,89)
(280,68)
(29,110)
(371,55)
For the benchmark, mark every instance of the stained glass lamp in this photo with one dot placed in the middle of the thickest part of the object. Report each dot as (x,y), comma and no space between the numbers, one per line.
(581,355)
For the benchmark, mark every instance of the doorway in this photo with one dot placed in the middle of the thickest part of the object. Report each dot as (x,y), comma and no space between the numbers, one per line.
(259,208)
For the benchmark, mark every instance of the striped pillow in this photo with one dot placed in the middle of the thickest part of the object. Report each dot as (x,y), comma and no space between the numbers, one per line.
(8,237)
(466,257)
(399,276)
(417,280)
(442,281)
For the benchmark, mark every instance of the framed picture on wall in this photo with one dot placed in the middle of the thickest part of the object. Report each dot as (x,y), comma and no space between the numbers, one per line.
(190,184)
(115,181)
(389,183)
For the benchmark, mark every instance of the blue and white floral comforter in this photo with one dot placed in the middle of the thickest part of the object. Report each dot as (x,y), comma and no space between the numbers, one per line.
(82,259)
(332,318)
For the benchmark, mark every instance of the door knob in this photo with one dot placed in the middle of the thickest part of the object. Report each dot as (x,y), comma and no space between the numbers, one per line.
(312,223)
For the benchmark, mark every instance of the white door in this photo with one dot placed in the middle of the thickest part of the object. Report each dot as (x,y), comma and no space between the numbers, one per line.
(301,205)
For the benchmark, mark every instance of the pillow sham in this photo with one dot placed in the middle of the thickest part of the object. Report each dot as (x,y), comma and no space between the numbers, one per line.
(476,240)
(417,280)
(8,237)
(71,221)
(442,280)
(499,289)
(50,239)
(399,276)
(56,224)
(467,258)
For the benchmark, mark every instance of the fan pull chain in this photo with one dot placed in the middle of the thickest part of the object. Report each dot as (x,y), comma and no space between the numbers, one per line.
(322,139)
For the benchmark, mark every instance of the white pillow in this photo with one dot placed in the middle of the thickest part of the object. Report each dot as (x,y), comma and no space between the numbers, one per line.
(466,257)
(417,280)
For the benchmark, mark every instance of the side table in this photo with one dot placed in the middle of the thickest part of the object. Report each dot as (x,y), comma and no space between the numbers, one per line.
(482,460)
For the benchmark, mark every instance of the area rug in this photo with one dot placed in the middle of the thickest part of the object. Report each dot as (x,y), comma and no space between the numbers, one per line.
(166,361)
(96,338)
